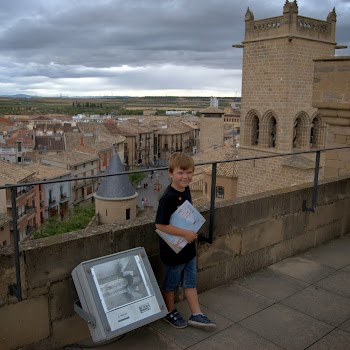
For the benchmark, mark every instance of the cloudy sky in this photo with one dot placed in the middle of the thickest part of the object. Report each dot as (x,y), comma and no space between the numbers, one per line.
(135,47)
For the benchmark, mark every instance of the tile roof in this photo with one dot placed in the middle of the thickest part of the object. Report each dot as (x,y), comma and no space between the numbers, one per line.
(300,162)
(70,158)
(6,121)
(14,172)
(46,172)
(24,135)
(212,154)
(211,110)
(101,132)
(4,219)
(229,169)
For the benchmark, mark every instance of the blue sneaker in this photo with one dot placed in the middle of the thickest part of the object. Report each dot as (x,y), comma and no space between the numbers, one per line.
(175,319)
(201,321)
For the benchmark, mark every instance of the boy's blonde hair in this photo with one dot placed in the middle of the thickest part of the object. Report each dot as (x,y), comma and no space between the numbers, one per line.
(180,160)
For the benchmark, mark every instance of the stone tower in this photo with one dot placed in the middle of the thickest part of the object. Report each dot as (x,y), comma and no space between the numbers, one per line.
(115,197)
(276,111)
(211,128)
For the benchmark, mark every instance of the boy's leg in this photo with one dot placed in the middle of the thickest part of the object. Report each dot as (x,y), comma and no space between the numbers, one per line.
(192,299)
(169,297)
(171,281)
(189,282)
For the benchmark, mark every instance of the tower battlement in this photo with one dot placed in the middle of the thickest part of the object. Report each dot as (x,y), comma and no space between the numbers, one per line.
(290,25)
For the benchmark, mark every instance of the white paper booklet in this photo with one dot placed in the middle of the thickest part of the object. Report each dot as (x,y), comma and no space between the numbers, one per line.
(186,216)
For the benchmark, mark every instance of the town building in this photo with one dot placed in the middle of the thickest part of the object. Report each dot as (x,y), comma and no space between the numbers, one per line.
(17,146)
(54,198)
(80,165)
(211,128)
(11,174)
(5,233)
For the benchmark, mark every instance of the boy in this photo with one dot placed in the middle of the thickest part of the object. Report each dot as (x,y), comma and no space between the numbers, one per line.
(179,268)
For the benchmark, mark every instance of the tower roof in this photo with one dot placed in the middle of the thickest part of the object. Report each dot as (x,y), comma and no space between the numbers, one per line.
(115,186)
(212,110)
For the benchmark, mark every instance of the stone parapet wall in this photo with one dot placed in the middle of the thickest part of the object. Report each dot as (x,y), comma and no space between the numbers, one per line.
(249,234)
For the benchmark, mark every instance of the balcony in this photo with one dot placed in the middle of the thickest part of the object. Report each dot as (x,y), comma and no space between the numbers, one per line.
(25,191)
(52,202)
(64,198)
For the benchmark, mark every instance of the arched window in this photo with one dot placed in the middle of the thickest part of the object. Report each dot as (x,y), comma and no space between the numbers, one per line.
(220,192)
(271,129)
(255,131)
(252,129)
(268,133)
(300,132)
(317,133)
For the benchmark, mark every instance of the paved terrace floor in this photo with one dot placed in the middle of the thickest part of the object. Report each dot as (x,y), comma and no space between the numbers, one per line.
(302,302)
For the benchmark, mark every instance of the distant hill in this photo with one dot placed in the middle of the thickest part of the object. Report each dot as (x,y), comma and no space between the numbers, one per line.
(18,96)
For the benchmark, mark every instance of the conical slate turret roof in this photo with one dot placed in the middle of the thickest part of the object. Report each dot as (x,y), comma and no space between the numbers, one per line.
(115,186)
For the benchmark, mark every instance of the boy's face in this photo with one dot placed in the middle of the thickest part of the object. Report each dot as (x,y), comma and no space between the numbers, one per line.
(181,178)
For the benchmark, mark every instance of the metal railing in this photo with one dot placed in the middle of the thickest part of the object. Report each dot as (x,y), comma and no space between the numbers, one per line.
(17,288)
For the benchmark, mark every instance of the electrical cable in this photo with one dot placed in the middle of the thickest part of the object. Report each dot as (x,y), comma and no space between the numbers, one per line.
(82,346)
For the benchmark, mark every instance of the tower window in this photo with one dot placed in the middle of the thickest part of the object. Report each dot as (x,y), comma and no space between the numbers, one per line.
(220,192)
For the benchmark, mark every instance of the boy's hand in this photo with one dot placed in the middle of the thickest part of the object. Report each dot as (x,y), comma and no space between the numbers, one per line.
(190,236)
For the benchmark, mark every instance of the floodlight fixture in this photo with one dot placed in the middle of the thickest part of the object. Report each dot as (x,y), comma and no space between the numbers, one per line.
(117,293)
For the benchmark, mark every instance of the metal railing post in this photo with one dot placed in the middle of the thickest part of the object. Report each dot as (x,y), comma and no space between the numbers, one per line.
(16,289)
(314,189)
(212,203)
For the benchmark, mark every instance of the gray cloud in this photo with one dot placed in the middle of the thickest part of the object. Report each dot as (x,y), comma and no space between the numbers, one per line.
(57,44)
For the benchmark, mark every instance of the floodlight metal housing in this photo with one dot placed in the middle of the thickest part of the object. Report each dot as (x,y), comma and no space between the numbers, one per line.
(117,293)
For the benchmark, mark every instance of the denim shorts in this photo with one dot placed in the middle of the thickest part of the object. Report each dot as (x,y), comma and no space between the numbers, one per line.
(184,274)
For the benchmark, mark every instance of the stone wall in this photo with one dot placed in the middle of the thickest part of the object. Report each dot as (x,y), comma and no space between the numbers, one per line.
(331,95)
(262,175)
(249,234)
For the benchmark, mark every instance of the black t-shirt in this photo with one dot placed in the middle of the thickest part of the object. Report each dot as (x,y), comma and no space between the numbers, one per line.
(168,203)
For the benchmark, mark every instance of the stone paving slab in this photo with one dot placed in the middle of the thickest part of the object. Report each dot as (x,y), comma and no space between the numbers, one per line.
(272,284)
(334,253)
(286,327)
(346,268)
(189,336)
(145,338)
(338,282)
(321,304)
(302,269)
(234,302)
(236,338)
(335,340)
(345,326)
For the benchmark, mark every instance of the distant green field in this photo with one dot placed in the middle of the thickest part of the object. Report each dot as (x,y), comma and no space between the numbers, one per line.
(113,105)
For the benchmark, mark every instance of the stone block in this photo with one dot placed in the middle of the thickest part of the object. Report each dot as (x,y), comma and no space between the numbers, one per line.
(324,215)
(292,246)
(294,225)
(328,232)
(136,236)
(70,330)
(262,235)
(24,323)
(63,295)
(60,259)
(211,277)
(223,248)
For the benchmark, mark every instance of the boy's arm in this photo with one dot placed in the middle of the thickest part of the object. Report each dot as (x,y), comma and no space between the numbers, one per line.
(189,235)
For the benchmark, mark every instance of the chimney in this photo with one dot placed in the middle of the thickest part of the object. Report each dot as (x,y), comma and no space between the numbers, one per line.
(82,141)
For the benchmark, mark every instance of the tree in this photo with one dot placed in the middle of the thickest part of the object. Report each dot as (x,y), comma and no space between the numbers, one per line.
(136,178)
